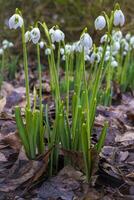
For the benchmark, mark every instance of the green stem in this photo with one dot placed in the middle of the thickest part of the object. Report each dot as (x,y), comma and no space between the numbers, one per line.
(25,67)
(40,74)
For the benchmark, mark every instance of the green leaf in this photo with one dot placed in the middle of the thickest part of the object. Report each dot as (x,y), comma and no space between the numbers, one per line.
(22,130)
(102,138)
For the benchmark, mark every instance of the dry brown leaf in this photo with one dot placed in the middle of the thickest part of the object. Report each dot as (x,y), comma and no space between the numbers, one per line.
(125,139)
(2,104)
(13,140)
(2,157)
(24,171)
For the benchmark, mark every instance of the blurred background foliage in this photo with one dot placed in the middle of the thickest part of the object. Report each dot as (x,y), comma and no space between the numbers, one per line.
(71,15)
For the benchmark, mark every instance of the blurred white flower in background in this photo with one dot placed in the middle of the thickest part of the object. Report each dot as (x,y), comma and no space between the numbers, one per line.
(132,41)
(27,36)
(42,44)
(114,63)
(6,44)
(47,51)
(1,51)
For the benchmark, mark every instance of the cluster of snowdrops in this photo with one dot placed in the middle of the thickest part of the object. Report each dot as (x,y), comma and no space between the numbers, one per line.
(88,74)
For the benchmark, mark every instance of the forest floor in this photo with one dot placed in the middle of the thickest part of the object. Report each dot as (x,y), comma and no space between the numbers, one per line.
(113,174)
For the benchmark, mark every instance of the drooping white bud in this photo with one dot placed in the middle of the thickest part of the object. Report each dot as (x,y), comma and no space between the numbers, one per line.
(42,44)
(47,51)
(119,18)
(86,40)
(27,37)
(100,23)
(62,51)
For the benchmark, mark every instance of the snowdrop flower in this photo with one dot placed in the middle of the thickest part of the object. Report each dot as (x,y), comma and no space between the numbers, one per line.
(100,49)
(1,51)
(128,36)
(100,23)
(86,50)
(11,44)
(56,35)
(78,46)
(116,46)
(125,45)
(107,56)
(62,51)
(124,53)
(51,31)
(42,44)
(6,44)
(53,46)
(103,38)
(119,18)
(87,58)
(27,36)
(117,35)
(63,57)
(95,57)
(15,21)
(132,41)
(86,40)
(47,51)
(114,63)
(68,48)
(35,35)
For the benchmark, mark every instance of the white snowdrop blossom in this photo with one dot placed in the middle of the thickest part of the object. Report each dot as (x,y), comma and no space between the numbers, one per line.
(53,46)
(100,49)
(124,53)
(116,46)
(119,18)
(35,35)
(87,57)
(103,38)
(114,63)
(42,44)
(125,45)
(78,46)
(86,40)
(62,51)
(117,35)
(27,37)
(63,57)
(95,57)
(1,51)
(6,44)
(68,48)
(107,56)
(132,41)
(15,21)
(100,23)
(128,36)
(56,35)
(47,51)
